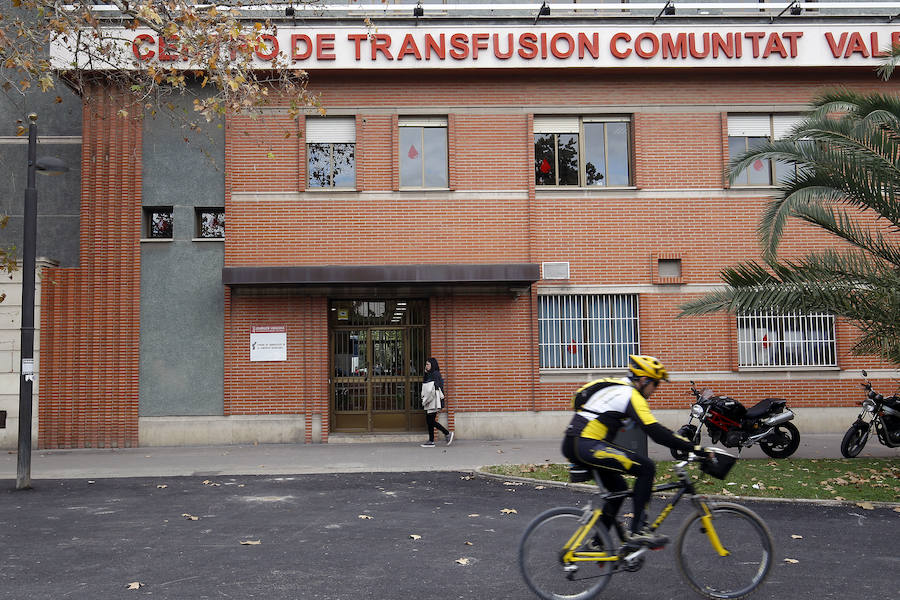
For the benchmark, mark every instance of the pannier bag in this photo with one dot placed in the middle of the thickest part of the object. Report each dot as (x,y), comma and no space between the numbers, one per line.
(719,465)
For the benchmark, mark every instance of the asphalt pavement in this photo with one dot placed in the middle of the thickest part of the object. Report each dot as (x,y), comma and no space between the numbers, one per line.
(380,536)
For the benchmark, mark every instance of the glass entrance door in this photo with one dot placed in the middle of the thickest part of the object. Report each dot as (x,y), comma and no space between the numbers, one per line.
(377,356)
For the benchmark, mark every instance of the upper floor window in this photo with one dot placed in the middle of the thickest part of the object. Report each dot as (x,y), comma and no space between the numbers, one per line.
(331,152)
(789,340)
(423,153)
(582,151)
(746,132)
(587,331)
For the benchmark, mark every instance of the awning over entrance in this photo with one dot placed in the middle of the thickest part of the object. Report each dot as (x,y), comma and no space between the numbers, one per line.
(419,279)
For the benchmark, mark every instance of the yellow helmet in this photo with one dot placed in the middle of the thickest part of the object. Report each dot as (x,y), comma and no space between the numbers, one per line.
(647,366)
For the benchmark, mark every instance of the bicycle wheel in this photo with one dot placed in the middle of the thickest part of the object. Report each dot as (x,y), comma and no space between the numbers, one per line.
(541,557)
(747,540)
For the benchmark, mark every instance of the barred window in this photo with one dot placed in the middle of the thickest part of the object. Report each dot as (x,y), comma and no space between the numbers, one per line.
(789,340)
(587,331)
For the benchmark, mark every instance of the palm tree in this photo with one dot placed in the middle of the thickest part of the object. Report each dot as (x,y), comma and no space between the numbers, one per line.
(847,183)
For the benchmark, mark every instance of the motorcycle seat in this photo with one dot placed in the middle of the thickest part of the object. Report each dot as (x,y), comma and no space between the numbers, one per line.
(764,407)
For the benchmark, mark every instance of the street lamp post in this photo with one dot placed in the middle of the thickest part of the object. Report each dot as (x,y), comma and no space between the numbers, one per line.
(29,250)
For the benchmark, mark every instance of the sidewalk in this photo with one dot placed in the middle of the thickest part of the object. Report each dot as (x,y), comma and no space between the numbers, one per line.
(294,459)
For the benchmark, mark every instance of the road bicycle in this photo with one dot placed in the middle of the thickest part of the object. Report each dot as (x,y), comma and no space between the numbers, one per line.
(723,550)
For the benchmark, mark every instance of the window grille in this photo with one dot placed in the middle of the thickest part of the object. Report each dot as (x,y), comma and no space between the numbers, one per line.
(587,331)
(789,340)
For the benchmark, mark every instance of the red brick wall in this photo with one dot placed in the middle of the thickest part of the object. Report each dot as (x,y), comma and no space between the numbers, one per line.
(91,314)
(488,344)
(299,385)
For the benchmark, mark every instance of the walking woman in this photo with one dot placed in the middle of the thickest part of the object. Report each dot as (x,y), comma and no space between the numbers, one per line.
(432,401)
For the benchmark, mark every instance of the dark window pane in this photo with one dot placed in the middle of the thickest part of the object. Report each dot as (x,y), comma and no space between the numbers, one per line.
(212,224)
(344,159)
(567,149)
(318,165)
(544,159)
(595,154)
(161,224)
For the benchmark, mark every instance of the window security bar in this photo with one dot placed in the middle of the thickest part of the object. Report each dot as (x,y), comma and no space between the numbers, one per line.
(789,340)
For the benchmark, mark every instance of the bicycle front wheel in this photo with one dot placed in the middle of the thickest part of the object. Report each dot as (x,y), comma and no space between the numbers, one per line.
(747,541)
(542,556)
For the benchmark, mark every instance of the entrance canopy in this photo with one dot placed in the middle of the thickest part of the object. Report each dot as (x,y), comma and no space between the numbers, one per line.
(420,280)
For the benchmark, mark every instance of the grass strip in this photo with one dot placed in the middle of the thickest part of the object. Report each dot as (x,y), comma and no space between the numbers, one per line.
(857,480)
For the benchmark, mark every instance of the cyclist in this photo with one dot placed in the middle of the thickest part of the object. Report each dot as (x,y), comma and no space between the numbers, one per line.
(614,403)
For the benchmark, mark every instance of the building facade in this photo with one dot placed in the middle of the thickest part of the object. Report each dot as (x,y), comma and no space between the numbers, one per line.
(528,198)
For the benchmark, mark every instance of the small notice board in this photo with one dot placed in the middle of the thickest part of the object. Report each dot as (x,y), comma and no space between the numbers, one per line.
(268,344)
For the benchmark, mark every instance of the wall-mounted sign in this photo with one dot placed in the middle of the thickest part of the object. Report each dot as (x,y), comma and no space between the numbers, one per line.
(268,344)
(496,47)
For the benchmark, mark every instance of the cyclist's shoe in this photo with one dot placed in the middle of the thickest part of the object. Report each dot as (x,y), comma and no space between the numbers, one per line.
(648,538)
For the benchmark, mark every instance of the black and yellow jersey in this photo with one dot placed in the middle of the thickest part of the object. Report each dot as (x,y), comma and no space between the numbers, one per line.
(615,404)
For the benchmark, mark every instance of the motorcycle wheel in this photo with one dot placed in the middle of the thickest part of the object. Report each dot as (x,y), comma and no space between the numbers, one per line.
(854,440)
(688,432)
(787,442)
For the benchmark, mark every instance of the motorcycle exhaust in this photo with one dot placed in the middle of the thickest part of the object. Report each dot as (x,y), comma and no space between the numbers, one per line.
(778,419)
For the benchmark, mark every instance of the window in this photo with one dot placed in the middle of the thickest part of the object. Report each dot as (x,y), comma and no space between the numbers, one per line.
(331,152)
(587,331)
(210,223)
(791,340)
(423,153)
(158,222)
(746,132)
(582,151)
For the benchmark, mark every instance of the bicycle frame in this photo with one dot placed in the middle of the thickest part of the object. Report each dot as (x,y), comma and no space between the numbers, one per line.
(684,486)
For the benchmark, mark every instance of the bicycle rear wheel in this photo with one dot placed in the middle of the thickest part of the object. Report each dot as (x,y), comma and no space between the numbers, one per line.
(748,542)
(541,557)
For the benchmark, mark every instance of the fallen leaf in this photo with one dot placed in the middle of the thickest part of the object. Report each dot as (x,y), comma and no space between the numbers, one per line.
(251,542)
(540,487)
(796,537)
(413,536)
(162,486)
(189,517)
(499,451)
(866,505)
(513,483)
(897,509)
(468,543)
(134,585)
(366,517)
(793,561)
(509,511)
(462,561)
(474,515)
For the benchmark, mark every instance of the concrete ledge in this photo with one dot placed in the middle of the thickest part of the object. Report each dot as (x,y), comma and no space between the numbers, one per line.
(216,430)
(545,424)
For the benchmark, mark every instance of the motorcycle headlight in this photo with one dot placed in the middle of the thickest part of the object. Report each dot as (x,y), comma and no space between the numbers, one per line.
(697,411)
(868,405)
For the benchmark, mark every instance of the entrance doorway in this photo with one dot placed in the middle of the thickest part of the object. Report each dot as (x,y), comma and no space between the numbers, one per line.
(377,361)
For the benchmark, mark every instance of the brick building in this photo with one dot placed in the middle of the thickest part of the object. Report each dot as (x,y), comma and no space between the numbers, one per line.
(527,199)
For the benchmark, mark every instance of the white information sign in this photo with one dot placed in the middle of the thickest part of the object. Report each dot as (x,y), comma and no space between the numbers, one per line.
(268,344)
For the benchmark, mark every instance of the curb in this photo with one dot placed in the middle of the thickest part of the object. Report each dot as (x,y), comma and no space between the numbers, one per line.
(592,489)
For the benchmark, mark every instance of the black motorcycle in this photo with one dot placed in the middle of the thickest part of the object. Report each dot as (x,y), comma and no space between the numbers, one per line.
(729,422)
(883,412)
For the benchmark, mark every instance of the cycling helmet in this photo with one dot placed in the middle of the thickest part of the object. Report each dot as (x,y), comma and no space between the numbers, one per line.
(647,366)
